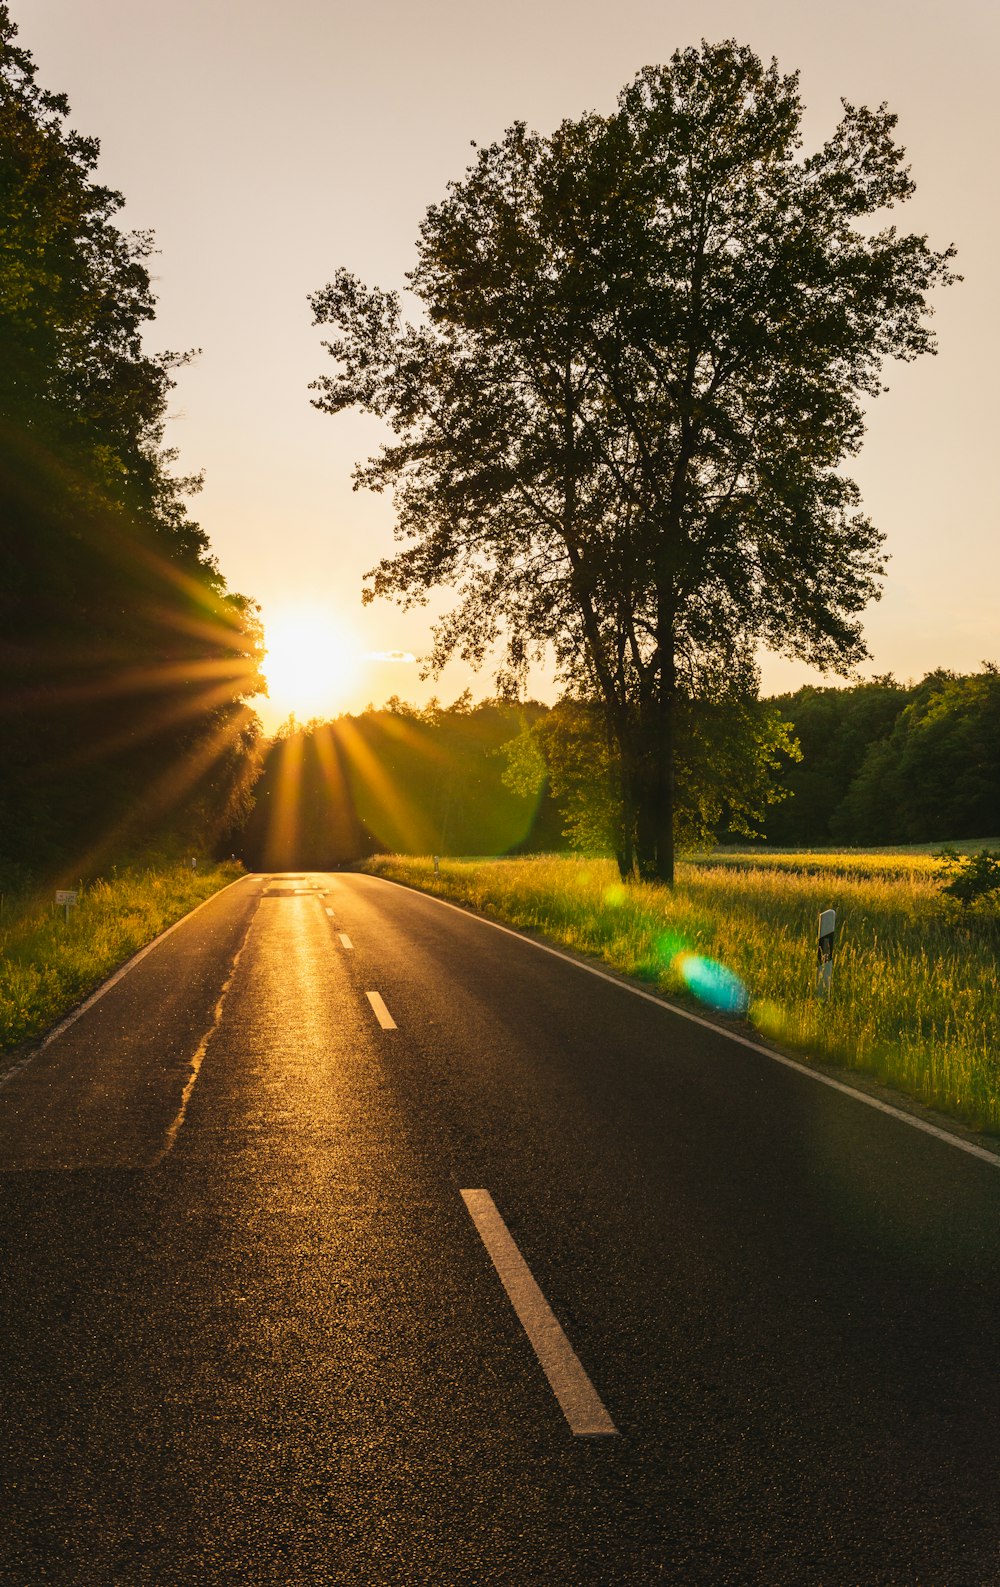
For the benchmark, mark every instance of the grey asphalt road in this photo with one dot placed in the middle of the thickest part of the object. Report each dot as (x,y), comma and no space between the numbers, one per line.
(251,1333)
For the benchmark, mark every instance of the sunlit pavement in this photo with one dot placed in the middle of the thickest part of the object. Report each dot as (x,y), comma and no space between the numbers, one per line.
(252,1333)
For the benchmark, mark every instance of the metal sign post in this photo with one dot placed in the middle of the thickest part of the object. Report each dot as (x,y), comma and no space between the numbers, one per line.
(68,900)
(824,951)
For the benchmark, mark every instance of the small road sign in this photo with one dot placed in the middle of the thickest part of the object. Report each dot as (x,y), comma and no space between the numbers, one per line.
(824,951)
(67,898)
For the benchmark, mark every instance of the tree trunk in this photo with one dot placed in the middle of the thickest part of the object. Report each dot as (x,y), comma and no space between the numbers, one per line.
(663,784)
(625,850)
(657,729)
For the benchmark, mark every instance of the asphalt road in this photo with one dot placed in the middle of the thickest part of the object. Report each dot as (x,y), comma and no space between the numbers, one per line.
(252,1332)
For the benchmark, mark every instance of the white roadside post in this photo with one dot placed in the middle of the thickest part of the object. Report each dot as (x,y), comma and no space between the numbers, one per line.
(824,951)
(67,898)
(437,865)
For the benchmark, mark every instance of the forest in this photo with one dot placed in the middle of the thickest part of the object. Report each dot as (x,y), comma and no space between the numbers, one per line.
(889,763)
(126,661)
(877,763)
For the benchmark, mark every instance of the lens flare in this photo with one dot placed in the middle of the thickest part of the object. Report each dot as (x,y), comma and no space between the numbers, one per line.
(772,1020)
(712,983)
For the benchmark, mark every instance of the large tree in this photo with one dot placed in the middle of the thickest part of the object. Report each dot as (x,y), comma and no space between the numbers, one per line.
(620,426)
(126,662)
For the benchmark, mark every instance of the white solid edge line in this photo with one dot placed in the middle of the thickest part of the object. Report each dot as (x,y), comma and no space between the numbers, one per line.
(122,970)
(382,1014)
(720,1030)
(578,1399)
(345,939)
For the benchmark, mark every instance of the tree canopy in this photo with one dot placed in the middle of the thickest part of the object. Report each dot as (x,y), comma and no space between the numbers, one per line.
(646,345)
(126,661)
(936,774)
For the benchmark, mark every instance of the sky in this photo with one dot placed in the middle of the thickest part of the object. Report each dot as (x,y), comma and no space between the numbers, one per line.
(267,145)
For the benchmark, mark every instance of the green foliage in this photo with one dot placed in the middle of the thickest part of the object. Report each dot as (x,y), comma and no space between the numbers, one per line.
(835,729)
(403,779)
(491,778)
(648,344)
(937,773)
(884,763)
(729,752)
(126,662)
(970,878)
(582,770)
(526,769)
(913,1002)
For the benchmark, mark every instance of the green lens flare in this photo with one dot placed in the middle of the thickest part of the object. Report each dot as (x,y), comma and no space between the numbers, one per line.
(668,945)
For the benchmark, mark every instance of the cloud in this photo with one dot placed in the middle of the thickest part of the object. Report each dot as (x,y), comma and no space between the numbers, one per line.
(389,655)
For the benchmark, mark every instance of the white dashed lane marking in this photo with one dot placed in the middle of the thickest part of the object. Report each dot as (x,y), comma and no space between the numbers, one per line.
(578,1399)
(382,1014)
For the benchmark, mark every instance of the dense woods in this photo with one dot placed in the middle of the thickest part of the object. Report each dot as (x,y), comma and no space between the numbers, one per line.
(125,660)
(886,763)
(881,763)
(412,781)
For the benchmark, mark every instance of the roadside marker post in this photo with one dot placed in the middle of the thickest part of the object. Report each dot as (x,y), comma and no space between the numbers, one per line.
(824,951)
(67,898)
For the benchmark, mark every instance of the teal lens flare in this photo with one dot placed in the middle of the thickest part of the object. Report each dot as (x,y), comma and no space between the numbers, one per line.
(713,984)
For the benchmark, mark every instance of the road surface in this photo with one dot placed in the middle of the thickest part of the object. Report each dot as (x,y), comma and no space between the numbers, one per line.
(349,1239)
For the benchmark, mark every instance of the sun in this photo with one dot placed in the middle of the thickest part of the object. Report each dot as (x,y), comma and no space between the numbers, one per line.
(312,662)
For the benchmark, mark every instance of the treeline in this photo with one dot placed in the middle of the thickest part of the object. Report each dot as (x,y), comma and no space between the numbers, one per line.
(887,763)
(409,781)
(493,778)
(125,661)
(880,763)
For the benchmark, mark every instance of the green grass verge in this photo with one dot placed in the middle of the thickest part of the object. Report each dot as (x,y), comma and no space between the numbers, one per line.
(48,966)
(915,999)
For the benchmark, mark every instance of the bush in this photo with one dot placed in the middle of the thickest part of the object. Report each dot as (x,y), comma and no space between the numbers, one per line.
(973,877)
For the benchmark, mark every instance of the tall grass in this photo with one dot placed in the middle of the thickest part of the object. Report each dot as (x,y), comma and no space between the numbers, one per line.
(47,965)
(915,998)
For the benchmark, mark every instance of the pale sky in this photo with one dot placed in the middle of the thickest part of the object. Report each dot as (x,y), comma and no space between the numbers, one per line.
(268,144)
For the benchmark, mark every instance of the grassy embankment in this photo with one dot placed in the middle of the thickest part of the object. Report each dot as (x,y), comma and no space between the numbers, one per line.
(916,989)
(47,966)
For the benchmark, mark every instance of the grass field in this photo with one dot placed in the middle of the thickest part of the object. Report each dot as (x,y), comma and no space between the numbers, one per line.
(48,966)
(915,998)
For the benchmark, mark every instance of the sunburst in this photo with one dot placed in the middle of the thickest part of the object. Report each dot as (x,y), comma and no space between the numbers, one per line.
(312,662)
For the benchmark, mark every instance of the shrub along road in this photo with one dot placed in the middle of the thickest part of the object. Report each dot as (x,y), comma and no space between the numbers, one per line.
(255,1332)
